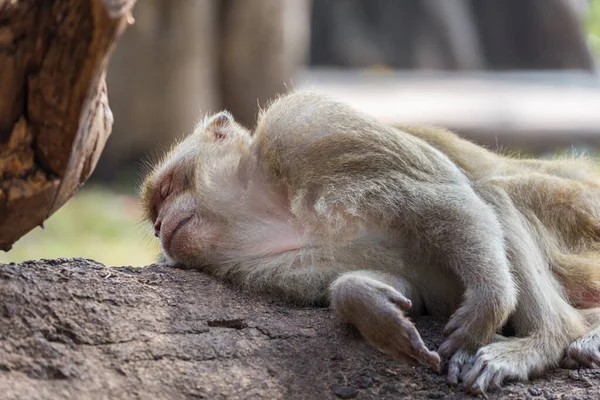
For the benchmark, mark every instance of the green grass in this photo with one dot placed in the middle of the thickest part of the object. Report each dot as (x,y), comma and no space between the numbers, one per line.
(592,24)
(96,223)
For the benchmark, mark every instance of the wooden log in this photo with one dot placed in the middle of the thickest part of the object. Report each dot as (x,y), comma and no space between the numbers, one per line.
(75,329)
(54,114)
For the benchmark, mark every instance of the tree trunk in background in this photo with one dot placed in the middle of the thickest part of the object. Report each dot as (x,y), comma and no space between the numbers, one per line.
(183,59)
(163,77)
(453,34)
(532,34)
(263,43)
(54,115)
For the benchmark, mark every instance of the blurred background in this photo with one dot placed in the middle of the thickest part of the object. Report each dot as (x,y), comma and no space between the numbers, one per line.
(513,75)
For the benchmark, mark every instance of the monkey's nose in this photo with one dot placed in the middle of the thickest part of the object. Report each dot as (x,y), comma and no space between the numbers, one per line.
(157,225)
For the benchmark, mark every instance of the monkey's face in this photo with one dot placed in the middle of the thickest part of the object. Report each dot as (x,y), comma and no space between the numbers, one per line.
(185,194)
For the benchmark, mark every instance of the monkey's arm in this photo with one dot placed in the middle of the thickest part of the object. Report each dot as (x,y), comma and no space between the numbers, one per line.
(462,232)
(544,322)
(376,303)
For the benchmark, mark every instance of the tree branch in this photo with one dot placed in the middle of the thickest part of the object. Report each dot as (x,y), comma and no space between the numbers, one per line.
(54,114)
(75,329)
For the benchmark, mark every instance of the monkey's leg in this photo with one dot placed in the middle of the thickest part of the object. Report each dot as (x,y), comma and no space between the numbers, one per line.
(377,303)
(585,351)
(544,322)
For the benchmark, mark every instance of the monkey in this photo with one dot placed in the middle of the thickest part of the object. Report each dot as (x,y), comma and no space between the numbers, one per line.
(323,205)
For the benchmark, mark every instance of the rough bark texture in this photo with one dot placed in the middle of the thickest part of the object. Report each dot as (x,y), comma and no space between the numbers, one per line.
(75,329)
(54,115)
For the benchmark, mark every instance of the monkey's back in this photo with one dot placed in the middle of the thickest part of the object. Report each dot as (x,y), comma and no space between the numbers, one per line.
(559,198)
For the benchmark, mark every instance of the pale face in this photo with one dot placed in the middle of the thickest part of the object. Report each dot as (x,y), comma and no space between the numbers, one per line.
(183,193)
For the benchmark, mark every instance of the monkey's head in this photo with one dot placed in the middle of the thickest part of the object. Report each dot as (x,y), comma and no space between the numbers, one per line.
(187,194)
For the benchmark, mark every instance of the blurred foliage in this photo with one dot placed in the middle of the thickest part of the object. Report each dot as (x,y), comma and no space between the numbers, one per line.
(97,223)
(593,25)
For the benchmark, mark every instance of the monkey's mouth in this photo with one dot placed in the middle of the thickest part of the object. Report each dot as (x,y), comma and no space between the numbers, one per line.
(171,235)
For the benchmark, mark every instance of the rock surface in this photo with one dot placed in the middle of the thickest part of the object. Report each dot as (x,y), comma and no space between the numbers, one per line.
(75,329)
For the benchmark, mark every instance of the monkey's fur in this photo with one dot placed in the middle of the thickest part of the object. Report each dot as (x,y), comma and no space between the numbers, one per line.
(323,204)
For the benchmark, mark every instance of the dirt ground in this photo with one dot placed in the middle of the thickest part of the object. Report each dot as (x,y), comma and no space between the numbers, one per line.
(75,329)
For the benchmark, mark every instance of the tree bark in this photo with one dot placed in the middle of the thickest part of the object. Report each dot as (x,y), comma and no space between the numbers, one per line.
(54,115)
(75,329)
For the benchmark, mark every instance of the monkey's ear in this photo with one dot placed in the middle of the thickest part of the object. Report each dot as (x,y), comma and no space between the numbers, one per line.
(218,123)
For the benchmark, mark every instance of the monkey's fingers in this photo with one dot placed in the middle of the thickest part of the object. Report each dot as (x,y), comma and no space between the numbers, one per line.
(453,343)
(458,365)
(584,352)
(398,299)
(430,358)
(417,349)
(456,321)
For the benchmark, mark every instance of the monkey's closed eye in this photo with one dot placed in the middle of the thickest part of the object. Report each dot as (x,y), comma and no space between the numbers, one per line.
(165,187)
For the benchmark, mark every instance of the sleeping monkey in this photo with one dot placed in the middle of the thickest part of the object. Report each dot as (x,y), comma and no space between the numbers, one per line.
(322,204)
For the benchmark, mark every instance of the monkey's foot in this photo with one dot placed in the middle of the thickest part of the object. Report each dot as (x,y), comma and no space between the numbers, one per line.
(396,335)
(463,332)
(405,343)
(462,361)
(459,364)
(377,310)
(494,364)
(584,352)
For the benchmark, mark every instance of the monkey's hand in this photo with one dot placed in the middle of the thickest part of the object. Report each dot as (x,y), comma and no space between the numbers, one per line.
(377,310)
